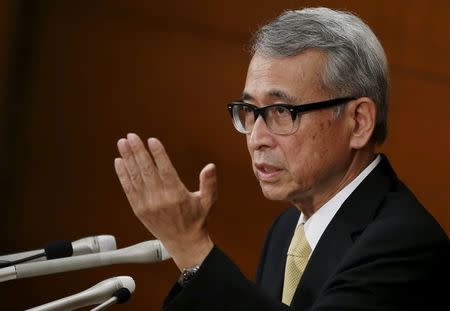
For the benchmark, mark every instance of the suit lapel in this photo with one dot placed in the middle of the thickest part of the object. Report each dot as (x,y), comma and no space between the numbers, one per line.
(351,219)
(271,274)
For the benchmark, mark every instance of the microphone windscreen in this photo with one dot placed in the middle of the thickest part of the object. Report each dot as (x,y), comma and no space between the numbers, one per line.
(59,249)
(122,295)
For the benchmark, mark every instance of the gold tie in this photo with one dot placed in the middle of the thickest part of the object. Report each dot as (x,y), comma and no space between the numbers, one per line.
(297,258)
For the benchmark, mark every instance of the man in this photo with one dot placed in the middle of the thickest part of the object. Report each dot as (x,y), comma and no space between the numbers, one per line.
(313,109)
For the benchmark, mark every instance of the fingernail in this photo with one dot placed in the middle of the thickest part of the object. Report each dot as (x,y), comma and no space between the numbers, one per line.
(152,142)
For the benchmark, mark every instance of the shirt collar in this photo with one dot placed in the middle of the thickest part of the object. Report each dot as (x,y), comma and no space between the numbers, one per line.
(318,222)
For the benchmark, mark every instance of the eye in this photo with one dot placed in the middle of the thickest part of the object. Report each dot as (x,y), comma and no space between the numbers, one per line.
(246,109)
(280,111)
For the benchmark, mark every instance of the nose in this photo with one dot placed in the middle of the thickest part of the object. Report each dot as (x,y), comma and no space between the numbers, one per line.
(260,137)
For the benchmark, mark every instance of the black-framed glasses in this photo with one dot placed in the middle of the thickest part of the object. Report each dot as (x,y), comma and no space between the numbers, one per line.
(281,119)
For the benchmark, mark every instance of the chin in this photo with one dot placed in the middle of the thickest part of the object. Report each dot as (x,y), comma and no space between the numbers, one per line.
(273,192)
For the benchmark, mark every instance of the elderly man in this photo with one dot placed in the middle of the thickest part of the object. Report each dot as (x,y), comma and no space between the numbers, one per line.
(313,109)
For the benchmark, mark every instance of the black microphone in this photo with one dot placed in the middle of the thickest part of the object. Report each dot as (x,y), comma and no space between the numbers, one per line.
(57,249)
(61,249)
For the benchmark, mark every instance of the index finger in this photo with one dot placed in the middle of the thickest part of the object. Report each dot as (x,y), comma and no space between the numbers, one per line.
(143,160)
(166,170)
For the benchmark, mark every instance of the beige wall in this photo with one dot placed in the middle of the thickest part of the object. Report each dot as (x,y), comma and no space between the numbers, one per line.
(167,69)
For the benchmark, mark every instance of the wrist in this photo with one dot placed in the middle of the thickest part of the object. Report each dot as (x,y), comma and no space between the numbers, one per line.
(190,255)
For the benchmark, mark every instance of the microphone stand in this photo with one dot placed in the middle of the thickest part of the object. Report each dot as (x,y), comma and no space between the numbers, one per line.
(120,296)
(108,303)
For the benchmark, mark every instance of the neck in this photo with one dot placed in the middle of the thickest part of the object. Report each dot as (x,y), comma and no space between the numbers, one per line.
(312,202)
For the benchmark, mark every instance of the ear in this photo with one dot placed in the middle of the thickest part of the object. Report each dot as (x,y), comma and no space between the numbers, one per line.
(363,115)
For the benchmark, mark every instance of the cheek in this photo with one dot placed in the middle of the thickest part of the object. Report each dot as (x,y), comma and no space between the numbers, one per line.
(305,159)
(247,140)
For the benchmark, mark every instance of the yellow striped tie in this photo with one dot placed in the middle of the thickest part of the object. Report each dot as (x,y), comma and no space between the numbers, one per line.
(297,258)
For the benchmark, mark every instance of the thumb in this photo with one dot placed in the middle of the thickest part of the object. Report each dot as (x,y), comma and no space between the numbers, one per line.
(208,185)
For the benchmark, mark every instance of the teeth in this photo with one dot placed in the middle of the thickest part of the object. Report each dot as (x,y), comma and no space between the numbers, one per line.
(268,170)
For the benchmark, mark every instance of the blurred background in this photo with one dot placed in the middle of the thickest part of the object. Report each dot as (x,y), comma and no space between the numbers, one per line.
(78,75)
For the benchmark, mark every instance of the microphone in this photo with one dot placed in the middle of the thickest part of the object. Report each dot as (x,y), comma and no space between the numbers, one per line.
(122,295)
(64,248)
(96,294)
(144,252)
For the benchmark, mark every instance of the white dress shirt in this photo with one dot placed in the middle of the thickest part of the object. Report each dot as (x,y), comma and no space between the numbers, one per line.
(317,223)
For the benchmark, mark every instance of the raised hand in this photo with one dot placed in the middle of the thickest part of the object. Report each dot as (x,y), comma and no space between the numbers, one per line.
(173,214)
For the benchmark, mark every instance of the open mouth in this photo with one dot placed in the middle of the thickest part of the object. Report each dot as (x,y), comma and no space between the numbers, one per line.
(267,172)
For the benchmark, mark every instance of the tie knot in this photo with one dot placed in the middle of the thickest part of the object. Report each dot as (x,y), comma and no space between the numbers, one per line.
(299,246)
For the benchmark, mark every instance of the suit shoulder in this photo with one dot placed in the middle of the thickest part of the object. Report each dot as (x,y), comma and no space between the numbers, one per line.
(403,214)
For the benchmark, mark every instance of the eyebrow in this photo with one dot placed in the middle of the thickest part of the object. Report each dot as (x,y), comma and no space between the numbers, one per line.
(274,93)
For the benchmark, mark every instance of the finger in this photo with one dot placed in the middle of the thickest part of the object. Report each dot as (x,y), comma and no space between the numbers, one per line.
(166,171)
(208,185)
(124,179)
(143,160)
(129,163)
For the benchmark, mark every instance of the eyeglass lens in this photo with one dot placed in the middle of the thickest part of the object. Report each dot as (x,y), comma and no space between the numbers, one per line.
(278,119)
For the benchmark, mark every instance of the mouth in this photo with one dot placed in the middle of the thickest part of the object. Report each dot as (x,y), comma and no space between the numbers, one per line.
(267,173)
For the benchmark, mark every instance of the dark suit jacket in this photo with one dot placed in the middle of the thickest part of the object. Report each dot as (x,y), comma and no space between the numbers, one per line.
(381,251)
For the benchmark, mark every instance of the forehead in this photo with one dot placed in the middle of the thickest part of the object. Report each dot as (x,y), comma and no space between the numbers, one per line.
(295,78)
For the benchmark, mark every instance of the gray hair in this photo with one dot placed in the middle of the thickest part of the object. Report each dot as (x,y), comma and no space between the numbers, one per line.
(356,64)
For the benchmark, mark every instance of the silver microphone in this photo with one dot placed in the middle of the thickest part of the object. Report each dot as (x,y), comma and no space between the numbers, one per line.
(96,294)
(88,245)
(144,252)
